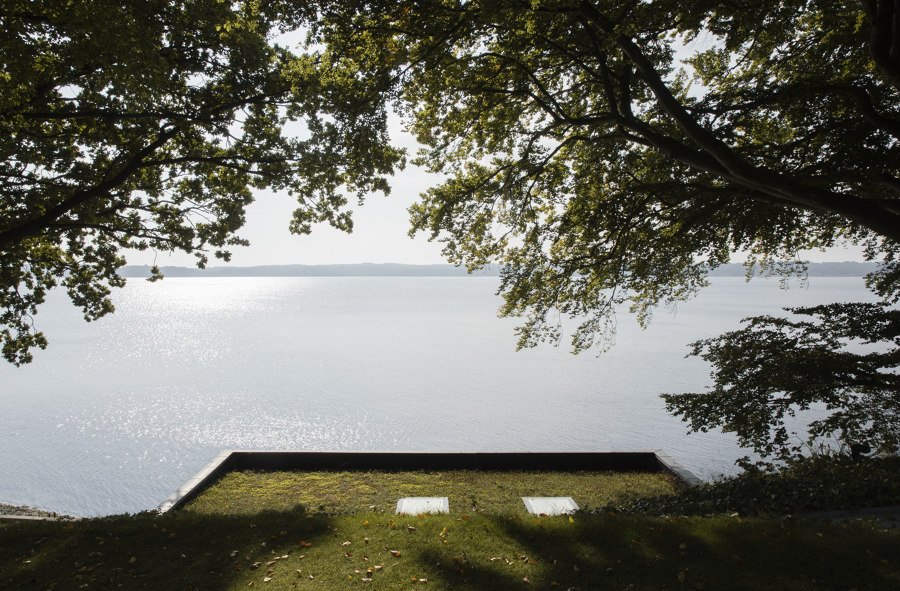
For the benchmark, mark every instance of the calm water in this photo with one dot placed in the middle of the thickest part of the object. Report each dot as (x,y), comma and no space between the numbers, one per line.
(117,414)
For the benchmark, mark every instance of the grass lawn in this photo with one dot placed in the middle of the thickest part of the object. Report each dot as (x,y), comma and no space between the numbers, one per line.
(292,550)
(470,491)
(271,543)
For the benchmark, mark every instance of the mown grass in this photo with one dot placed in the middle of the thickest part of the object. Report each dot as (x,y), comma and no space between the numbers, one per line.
(497,492)
(288,550)
(282,545)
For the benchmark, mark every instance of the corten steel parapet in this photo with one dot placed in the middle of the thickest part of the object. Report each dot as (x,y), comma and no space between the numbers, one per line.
(231,460)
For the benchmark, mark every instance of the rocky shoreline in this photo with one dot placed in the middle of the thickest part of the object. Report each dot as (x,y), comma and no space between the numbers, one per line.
(26,511)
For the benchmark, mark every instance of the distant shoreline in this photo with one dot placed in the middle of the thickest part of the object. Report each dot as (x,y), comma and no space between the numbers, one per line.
(835,269)
(350,270)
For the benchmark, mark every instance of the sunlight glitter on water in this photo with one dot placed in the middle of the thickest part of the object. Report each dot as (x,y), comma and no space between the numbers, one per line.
(118,413)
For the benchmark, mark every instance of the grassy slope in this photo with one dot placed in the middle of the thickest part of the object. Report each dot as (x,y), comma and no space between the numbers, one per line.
(480,552)
(493,548)
(468,490)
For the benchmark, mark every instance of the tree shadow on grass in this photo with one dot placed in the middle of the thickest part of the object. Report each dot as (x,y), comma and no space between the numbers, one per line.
(188,551)
(616,552)
(151,551)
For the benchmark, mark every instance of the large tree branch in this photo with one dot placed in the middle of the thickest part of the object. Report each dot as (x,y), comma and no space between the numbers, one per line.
(865,212)
(884,41)
(867,108)
(34,226)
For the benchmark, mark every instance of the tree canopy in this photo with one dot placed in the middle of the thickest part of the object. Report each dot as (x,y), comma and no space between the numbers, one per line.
(598,173)
(147,125)
(601,173)
(840,357)
(576,151)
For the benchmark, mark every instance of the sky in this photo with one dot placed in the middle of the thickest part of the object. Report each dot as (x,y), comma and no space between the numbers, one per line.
(380,233)
(381,225)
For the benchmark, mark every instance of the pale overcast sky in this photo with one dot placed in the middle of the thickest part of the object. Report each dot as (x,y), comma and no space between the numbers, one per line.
(380,234)
(381,225)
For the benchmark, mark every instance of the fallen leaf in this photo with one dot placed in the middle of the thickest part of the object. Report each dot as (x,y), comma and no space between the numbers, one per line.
(410,528)
(525,580)
(267,579)
(345,544)
(395,553)
(367,580)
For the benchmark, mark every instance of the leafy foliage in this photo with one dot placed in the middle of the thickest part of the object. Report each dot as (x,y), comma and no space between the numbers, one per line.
(146,125)
(775,367)
(817,483)
(599,175)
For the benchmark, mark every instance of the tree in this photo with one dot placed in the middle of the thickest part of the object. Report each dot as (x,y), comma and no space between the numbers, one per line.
(576,153)
(774,367)
(599,174)
(146,125)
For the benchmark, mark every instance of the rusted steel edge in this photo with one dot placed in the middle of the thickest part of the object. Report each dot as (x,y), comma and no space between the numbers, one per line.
(229,460)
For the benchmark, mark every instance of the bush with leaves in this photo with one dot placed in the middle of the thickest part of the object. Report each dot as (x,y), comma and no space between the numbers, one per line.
(839,359)
(823,482)
(149,125)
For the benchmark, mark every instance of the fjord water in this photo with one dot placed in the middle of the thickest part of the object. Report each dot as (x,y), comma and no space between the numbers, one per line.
(118,413)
